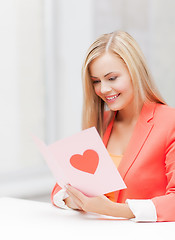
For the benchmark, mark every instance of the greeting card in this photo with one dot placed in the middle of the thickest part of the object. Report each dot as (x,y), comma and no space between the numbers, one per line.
(82,161)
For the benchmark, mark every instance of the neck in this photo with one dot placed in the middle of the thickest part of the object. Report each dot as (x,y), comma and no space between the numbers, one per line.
(129,114)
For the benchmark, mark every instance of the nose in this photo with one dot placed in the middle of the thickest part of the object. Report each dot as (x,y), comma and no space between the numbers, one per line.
(105,87)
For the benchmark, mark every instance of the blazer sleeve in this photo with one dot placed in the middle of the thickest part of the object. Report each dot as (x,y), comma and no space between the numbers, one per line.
(56,189)
(165,205)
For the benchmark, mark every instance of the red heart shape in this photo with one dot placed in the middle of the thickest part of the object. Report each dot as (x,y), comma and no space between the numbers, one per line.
(87,162)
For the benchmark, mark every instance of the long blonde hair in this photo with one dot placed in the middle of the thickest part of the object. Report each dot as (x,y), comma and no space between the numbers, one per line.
(124,46)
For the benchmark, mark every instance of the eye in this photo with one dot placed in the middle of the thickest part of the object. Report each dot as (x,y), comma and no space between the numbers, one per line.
(96,81)
(112,78)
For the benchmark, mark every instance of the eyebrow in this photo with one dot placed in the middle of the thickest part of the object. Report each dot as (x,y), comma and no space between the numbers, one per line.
(104,75)
(107,74)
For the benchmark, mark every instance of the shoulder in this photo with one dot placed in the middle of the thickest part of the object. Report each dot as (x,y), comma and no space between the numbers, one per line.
(164,114)
(164,110)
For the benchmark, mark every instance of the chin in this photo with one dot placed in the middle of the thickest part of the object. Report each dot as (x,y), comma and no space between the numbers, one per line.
(114,109)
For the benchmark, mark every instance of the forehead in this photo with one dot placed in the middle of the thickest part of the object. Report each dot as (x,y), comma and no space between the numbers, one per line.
(108,62)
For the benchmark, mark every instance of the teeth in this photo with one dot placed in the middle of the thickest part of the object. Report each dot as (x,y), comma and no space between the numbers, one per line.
(110,98)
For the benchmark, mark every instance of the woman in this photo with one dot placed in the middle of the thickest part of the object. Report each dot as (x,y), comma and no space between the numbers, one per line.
(138,131)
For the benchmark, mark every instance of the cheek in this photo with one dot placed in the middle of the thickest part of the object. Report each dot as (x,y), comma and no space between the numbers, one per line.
(97,90)
(125,86)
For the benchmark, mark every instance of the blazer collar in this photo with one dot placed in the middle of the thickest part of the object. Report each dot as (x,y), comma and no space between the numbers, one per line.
(141,131)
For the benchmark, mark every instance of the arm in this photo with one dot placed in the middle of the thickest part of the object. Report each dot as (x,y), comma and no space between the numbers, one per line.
(165,205)
(143,210)
(160,208)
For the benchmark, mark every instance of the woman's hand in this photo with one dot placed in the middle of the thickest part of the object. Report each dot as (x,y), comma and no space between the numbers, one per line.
(100,204)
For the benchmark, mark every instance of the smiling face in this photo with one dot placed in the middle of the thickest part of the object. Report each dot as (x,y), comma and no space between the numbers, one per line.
(112,81)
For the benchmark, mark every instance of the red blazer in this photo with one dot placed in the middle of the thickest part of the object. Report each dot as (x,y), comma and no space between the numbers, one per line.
(148,164)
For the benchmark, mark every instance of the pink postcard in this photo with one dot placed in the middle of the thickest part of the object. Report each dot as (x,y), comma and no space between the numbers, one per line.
(82,161)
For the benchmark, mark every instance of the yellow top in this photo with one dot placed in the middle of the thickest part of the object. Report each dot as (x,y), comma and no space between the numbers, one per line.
(116,159)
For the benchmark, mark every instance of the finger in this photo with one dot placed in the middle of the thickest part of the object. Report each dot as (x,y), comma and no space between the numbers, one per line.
(75,199)
(71,204)
(76,192)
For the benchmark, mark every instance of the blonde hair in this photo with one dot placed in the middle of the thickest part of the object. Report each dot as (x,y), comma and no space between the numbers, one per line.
(124,46)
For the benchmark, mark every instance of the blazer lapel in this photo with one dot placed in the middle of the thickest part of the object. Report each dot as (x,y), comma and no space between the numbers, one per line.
(141,132)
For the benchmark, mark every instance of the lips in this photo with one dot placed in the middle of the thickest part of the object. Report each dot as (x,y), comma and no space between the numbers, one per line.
(112,98)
